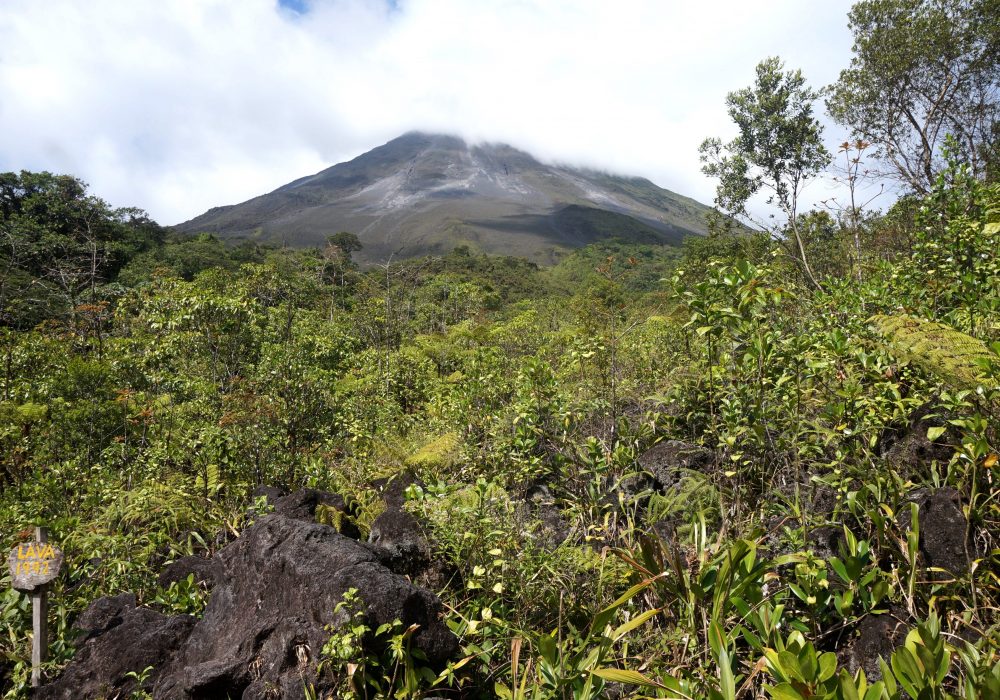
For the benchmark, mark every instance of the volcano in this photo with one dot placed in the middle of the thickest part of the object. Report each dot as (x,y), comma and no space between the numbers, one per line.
(423,194)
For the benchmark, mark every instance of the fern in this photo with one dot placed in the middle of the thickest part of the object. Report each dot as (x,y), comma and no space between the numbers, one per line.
(958,359)
(210,482)
(333,517)
(440,452)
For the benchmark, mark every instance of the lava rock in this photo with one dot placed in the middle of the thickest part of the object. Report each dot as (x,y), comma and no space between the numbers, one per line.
(908,450)
(270,493)
(207,572)
(270,612)
(304,504)
(120,638)
(393,489)
(540,518)
(401,536)
(877,637)
(825,541)
(666,462)
(943,528)
(103,614)
(268,617)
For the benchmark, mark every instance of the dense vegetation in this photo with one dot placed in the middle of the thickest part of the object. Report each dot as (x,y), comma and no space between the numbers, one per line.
(839,370)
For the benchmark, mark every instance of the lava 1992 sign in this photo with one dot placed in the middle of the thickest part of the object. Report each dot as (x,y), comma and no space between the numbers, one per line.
(33,564)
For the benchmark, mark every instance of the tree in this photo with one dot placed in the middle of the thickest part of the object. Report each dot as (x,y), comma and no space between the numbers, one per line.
(923,69)
(58,245)
(336,262)
(778,149)
(345,242)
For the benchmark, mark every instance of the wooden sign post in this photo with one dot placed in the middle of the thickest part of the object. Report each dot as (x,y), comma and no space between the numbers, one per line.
(32,566)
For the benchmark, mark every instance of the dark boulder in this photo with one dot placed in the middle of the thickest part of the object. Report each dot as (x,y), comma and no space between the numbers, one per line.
(306,504)
(908,450)
(119,638)
(540,519)
(877,636)
(943,528)
(268,618)
(666,462)
(270,494)
(207,572)
(393,489)
(825,541)
(103,614)
(402,538)
(270,612)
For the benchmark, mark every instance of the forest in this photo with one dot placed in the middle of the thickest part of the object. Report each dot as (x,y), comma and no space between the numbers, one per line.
(763,464)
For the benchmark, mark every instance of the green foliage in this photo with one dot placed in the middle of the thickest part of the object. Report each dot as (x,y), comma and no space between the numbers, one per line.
(372,663)
(137,426)
(779,147)
(959,359)
(184,596)
(922,70)
(60,244)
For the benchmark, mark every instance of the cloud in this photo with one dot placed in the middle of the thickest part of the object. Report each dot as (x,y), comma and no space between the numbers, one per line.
(180,105)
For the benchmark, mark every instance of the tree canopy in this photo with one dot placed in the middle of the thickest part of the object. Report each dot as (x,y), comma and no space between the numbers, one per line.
(779,146)
(923,70)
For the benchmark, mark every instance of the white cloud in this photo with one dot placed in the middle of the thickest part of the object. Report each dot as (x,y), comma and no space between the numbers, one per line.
(180,105)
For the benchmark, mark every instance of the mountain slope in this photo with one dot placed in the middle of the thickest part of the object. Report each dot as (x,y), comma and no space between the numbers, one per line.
(425,193)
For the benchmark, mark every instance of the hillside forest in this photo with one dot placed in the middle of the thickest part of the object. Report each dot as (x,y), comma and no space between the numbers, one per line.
(762,464)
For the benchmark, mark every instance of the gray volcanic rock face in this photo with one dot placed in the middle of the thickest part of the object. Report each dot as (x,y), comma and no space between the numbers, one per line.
(422,193)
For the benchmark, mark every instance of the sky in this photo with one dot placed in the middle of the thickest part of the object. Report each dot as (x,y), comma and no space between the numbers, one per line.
(176,106)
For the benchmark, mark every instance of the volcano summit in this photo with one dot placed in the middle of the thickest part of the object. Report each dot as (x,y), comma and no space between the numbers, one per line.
(424,194)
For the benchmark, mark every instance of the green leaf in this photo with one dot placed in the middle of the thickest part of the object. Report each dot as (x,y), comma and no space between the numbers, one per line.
(547,648)
(604,616)
(717,638)
(633,623)
(848,689)
(875,691)
(790,664)
(623,675)
(887,677)
(906,670)
(827,665)
(784,691)
(727,683)
(934,432)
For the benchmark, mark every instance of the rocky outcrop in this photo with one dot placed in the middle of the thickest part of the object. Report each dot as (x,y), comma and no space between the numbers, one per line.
(207,572)
(402,539)
(304,505)
(876,638)
(540,518)
(393,489)
(909,451)
(271,610)
(119,638)
(943,529)
(666,462)
(264,626)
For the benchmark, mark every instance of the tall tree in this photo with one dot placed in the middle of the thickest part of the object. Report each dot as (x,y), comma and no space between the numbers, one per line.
(778,149)
(58,244)
(923,69)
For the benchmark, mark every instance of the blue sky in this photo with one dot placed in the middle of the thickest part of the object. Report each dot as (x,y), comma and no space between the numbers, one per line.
(300,6)
(183,105)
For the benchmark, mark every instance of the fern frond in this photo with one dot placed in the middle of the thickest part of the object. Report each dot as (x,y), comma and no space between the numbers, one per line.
(955,357)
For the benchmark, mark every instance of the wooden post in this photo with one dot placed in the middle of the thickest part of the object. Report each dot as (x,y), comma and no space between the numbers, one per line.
(40,621)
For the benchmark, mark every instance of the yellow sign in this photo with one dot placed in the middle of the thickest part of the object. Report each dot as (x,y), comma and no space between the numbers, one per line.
(33,564)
